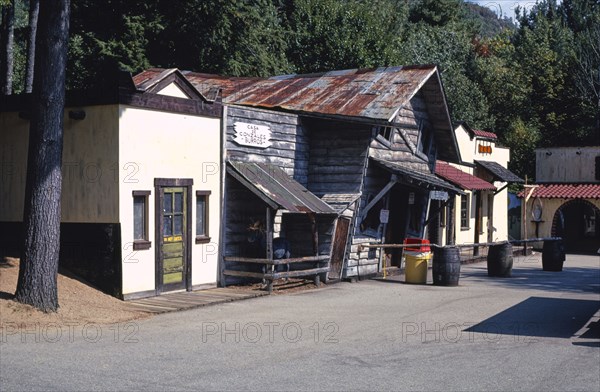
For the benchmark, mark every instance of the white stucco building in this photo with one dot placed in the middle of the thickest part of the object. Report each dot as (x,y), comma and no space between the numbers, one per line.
(481,214)
(141,186)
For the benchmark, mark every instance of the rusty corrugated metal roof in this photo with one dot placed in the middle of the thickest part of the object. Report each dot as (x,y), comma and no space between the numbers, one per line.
(279,189)
(375,93)
(147,75)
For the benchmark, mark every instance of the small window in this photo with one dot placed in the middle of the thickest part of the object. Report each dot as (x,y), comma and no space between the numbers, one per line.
(464,212)
(384,134)
(202,235)
(140,220)
(425,138)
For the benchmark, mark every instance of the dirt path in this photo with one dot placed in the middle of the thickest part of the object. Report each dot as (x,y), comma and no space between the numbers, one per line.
(79,303)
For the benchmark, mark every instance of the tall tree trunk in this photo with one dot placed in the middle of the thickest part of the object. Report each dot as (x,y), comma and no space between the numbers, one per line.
(37,284)
(34,9)
(8,38)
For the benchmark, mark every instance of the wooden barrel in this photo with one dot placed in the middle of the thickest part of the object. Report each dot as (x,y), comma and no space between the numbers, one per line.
(446,266)
(553,255)
(500,260)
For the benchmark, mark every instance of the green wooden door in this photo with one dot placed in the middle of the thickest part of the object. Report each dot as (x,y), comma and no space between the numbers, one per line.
(173,224)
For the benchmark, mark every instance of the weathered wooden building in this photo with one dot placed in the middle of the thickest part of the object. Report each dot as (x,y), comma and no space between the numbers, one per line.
(365,142)
(141,185)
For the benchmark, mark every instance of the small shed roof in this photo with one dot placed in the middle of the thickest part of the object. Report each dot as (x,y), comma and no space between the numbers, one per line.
(499,172)
(417,177)
(276,188)
(485,134)
(462,179)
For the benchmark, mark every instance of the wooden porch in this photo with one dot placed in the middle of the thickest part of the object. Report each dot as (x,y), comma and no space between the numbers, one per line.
(172,302)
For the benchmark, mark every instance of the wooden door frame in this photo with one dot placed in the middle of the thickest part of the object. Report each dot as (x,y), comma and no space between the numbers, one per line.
(490,222)
(335,229)
(478,219)
(186,183)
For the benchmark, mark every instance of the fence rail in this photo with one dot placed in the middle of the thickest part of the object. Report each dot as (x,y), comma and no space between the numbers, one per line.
(514,242)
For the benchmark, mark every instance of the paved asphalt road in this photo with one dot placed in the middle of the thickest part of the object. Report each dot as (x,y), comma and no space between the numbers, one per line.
(536,331)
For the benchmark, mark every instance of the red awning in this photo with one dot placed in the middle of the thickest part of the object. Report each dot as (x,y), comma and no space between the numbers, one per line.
(461,178)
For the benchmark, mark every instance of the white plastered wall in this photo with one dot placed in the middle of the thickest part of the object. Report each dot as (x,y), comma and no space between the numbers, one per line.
(469,153)
(500,155)
(14,138)
(90,166)
(155,144)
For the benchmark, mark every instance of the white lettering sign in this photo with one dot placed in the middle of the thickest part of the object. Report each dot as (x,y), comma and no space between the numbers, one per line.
(384,216)
(439,195)
(252,135)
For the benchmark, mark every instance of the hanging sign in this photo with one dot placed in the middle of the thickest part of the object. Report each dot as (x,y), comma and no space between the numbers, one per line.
(384,216)
(485,149)
(439,195)
(252,135)
(411,198)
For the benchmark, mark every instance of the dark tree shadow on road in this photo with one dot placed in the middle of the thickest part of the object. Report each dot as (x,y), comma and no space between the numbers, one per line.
(543,317)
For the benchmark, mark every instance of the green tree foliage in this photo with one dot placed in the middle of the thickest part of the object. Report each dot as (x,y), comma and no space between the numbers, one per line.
(18,47)
(450,46)
(528,76)
(523,138)
(536,83)
(110,37)
(329,34)
(222,36)
(436,12)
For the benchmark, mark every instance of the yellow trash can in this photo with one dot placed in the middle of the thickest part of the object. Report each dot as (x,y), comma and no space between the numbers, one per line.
(416,267)
(417,260)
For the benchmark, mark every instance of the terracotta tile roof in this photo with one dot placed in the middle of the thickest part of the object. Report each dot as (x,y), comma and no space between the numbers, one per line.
(485,134)
(461,178)
(566,191)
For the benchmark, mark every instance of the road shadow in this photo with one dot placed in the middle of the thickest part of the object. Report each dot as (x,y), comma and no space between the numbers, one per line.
(541,317)
(570,279)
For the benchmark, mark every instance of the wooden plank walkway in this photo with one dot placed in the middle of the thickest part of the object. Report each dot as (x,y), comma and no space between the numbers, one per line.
(172,302)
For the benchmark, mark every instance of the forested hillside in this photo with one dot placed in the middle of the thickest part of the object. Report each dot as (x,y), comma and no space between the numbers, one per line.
(534,83)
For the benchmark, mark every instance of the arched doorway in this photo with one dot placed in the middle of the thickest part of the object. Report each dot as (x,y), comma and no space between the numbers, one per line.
(578,223)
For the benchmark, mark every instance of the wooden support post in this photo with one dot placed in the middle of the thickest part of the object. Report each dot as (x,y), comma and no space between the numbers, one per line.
(315,241)
(450,225)
(315,233)
(477,221)
(269,228)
